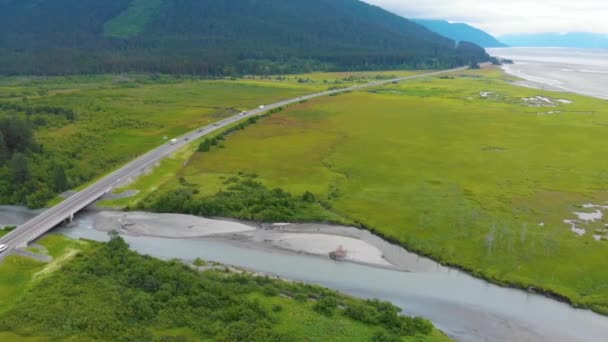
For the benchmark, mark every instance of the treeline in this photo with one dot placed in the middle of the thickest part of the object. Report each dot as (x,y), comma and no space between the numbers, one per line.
(29,175)
(243,198)
(67,113)
(208,37)
(110,293)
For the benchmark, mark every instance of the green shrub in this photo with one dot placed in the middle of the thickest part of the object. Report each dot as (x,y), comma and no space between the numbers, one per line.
(244,199)
(382,336)
(199,262)
(361,313)
(326,305)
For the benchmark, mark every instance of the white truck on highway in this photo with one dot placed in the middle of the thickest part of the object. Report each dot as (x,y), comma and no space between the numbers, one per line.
(3,248)
(173,141)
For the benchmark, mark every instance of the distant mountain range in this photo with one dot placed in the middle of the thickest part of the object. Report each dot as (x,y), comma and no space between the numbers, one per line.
(572,40)
(461,32)
(216,37)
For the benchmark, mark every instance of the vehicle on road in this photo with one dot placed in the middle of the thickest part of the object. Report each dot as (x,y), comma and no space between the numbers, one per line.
(262,107)
(243,113)
(3,248)
(173,141)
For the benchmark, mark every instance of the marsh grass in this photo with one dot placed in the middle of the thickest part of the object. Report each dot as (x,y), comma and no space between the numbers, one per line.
(479,182)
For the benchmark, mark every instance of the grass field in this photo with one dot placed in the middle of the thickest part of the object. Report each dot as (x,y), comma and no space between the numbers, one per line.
(469,170)
(18,275)
(119,117)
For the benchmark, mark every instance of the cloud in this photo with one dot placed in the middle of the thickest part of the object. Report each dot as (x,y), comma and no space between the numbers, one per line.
(509,16)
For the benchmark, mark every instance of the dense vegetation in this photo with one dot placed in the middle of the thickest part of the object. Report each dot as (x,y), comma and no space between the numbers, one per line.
(28,175)
(208,37)
(243,198)
(481,177)
(107,292)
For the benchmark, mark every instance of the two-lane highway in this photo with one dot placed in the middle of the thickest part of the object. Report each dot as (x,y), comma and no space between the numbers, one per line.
(36,227)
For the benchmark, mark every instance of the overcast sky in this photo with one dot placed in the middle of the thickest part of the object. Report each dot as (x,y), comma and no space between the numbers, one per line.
(509,16)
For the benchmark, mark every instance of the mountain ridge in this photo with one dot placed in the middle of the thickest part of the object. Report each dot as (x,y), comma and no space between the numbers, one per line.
(208,37)
(461,32)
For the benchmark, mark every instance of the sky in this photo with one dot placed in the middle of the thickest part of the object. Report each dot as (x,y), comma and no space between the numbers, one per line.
(500,17)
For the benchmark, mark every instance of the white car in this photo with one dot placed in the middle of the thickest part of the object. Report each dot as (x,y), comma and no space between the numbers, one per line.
(262,107)
(3,248)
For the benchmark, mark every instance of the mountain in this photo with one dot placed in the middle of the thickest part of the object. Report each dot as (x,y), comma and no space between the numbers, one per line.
(572,40)
(461,32)
(211,37)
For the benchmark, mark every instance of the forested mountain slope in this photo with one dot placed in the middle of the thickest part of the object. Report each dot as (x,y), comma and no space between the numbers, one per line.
(210,37)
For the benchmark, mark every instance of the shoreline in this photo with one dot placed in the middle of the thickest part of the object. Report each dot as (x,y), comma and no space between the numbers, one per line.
(261,236)
(570,71)
(533,82)
(312,239)
(432,293)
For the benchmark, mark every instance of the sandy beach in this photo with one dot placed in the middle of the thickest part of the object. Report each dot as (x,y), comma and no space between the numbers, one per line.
(165,225)
(323,244)
(314,239)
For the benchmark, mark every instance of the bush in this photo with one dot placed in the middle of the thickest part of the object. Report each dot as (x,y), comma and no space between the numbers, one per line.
(244,199)
(270,291)
(301,297)
(199,262)
(326,305)
(382,336)
(361,313)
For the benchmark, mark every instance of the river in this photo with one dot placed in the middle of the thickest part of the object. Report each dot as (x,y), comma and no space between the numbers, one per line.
(466,308)
(582,71)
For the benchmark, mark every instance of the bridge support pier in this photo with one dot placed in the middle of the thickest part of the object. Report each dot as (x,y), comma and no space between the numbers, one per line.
(71,217)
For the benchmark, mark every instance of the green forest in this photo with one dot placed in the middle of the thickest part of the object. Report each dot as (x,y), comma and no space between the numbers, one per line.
(29,175)
(207,37)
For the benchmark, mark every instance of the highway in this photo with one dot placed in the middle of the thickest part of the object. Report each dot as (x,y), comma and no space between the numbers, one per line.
(47,220)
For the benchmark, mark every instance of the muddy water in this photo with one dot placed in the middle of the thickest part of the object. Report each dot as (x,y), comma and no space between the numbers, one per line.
(466,308)
(12,216)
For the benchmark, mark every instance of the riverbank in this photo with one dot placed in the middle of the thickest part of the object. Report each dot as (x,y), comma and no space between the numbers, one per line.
(466,308)
(163,300)
(322,240)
